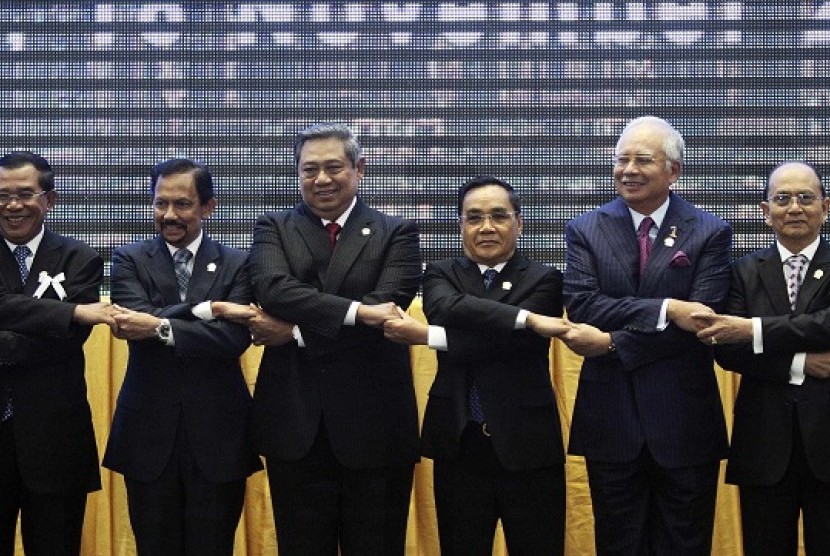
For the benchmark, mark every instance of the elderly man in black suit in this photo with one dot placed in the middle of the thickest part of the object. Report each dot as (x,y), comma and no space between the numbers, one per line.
(334,410)
(777,339)
(491,424)
(48,301)
(180,434)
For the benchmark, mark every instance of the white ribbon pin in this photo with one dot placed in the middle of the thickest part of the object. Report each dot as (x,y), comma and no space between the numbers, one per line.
(46,281)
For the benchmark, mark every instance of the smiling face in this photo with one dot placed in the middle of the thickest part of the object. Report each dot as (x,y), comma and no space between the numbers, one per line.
(796,225)
(492,240)
(177,212)
(21,221)
(328,180)
(644,175)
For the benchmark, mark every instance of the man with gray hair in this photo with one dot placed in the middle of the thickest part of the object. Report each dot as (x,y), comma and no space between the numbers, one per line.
(334,409)
(648,417)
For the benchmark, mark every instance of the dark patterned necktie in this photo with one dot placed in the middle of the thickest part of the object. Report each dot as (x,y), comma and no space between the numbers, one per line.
(333,229)
(181,258)
(644,241)
(21,252)
(796,265)
(474,400)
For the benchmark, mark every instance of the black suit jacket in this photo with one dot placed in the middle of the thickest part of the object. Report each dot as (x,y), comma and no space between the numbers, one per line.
(351,377)
(198,381)
(511,367)
(659,388)
(762,432)
(42,364)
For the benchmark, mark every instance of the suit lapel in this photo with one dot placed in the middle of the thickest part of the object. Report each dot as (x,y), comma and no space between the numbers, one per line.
(206,267)
(617,230)
(359,228)
(469,277)
(8,269)
(309,228)
(161,271)
(815,277)
(771,274)
(679,224)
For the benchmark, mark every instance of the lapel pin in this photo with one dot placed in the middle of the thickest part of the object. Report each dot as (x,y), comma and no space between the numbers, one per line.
(365,232)
(669,241)
(211,267)
(818,274)
(506,286)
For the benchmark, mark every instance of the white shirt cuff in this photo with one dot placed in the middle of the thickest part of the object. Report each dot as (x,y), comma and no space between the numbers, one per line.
(758,337)
(521,319)
(203,311)
(662,322)
(298,336)
(797,368)
(351,314)
(437,338)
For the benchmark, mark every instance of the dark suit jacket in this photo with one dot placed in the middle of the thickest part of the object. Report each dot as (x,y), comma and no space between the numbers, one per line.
(358,382)
(511,367)
(198,381)
(762,432)
(659,388)
(42,362)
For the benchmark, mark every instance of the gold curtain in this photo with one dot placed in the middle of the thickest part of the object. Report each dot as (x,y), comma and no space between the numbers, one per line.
(107,527)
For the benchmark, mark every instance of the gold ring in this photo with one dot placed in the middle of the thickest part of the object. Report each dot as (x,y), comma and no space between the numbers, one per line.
(713,340)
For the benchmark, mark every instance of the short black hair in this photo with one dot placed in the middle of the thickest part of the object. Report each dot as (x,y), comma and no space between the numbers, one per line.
(201,175)
(19,159)
(481,181)
(807,164)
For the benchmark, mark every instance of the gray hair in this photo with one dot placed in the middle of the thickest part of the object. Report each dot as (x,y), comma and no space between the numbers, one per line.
(351,145)
(674,146)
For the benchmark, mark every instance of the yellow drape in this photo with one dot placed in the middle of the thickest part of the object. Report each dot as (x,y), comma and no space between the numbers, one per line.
(107,527)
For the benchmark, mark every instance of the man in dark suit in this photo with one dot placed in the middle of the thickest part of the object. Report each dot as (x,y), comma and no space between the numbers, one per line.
(647,416)
(334,410)
(48,302)
(778,341)
(491,423)
(180,434)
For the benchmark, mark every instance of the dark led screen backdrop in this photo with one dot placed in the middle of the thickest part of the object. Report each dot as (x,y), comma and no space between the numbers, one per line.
(533,92)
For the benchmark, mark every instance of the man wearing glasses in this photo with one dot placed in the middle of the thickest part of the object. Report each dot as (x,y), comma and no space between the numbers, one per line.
(334,409)
(48,301)
(647,417)
(491,424)
(778,341)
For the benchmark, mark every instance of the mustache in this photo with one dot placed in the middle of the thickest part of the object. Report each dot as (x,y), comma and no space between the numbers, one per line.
(172,223)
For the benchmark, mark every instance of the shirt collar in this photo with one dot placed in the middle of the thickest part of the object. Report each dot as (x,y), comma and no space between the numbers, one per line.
(498,268)
(343,217)
(809,251)
(32,244)
(658,215)
(193,247)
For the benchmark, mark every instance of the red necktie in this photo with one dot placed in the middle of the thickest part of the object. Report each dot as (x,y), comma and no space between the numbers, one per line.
(644,241)
(333,229)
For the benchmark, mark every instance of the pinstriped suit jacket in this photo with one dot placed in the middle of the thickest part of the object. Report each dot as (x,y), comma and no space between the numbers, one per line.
(659,388)
(358,382)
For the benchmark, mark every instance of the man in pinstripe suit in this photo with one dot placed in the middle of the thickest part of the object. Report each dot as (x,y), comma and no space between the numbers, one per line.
(648,416)
(334,410)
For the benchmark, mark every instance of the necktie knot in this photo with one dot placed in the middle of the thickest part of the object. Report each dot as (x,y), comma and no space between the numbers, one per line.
(490,277)
(21,253)
(181,258)
(333,229)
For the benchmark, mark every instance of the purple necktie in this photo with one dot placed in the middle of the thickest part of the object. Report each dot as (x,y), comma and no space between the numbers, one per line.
(644,241)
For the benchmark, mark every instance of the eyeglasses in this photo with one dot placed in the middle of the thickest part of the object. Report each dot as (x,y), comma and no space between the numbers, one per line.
(640,160)
(498,218)
(785,199)
(23,197)
(311,172)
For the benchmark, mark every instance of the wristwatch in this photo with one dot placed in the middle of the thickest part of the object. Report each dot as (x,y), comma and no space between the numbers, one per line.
(163,330)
